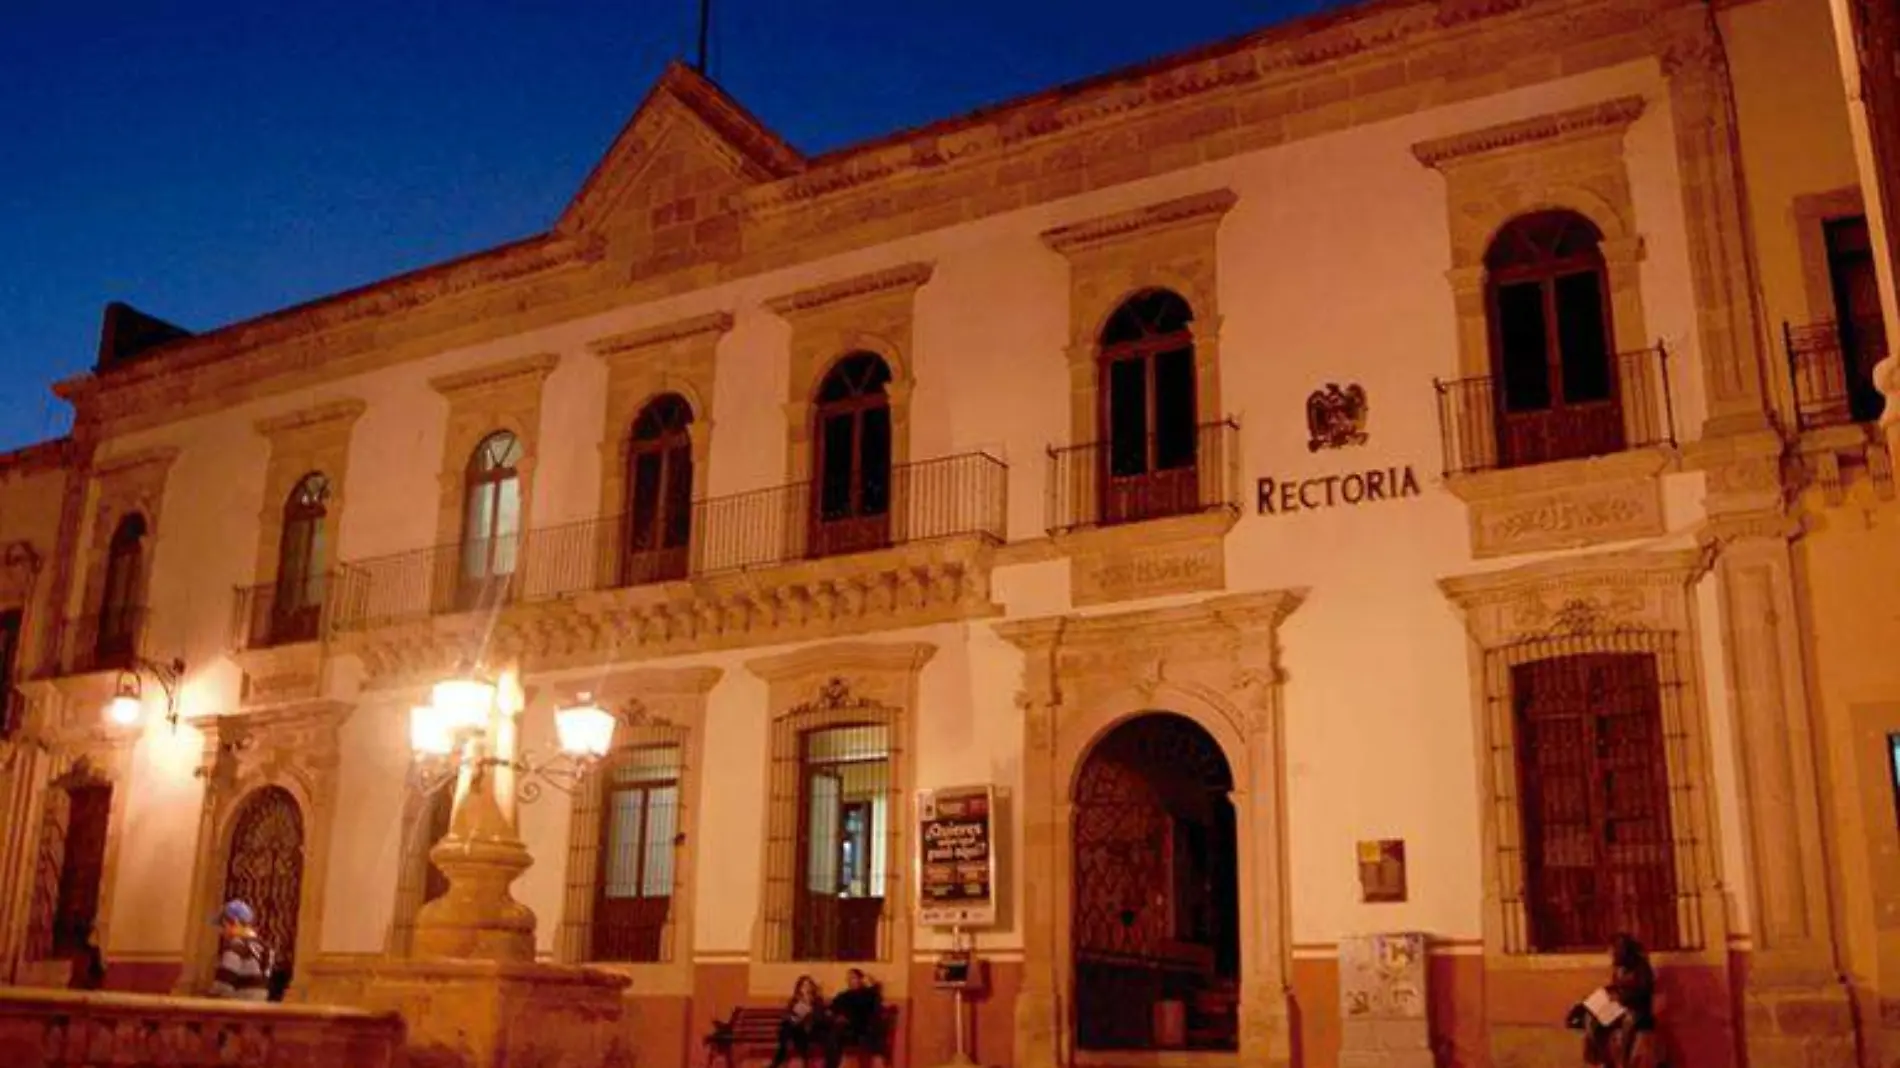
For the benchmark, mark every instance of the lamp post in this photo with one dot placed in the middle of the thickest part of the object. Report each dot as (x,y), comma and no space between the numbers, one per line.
(468,732)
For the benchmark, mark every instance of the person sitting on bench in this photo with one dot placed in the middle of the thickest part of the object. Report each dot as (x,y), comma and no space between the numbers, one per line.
(857,1019)
(804,1016)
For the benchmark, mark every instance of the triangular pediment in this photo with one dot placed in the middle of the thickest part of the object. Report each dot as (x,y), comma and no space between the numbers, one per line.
(683,112)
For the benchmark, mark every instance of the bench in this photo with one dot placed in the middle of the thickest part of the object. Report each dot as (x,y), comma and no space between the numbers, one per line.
(751,1033)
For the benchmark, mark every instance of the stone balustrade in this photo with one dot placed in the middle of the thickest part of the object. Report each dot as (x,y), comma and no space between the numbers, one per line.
(61,1029)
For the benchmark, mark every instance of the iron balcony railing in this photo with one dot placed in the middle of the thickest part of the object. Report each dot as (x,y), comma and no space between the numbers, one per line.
(947,497)
(1128,480)
(109,641)
(1831,369)
(283,613)
(1482,429)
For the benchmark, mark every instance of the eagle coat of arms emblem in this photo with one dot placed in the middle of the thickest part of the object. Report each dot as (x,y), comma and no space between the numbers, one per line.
(1335,417)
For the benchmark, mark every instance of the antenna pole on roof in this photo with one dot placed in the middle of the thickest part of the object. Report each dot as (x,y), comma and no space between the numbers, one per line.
(705,24)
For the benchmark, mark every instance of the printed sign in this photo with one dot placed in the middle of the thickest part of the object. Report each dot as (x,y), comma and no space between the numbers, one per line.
(956,883)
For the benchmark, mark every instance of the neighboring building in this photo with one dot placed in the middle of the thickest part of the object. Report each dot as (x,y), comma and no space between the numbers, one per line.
(1411,470)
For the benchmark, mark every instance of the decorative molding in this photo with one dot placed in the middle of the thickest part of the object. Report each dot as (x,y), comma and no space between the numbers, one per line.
(895,589)
(525,372)
(910,276)
(1609,116)
(1568,518)
(652,336)
(317,417)
(120,464)
(1093,234)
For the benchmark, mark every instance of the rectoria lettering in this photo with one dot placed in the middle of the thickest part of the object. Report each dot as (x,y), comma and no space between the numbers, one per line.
(1285,496)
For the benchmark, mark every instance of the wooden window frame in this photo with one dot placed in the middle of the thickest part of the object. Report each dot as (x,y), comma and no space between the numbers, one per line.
(116,637)
(857,529)
(663,941)
(1148,350)
(299,593)
(671,441)
(491,480)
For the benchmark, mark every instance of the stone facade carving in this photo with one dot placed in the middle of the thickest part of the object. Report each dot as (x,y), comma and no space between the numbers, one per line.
(868,313)
(655,707)
(841,683)
(483,400)
(676,357)
(58,1029)
(1148,560)
(1588,514)
(295,748)
(124,485)
(1215,662)
(906,586)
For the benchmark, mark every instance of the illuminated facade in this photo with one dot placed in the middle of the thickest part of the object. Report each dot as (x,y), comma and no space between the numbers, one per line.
(1411,471)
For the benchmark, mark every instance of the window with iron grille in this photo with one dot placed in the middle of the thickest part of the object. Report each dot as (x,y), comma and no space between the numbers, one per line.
(639,844)
(832,837)
(1594,834)
(71,865)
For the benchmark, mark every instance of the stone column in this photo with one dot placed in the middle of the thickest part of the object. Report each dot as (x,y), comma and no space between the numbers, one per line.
(23,767)
(1266,1025)
(1038,1014)
(1795,1009)
(1728,320)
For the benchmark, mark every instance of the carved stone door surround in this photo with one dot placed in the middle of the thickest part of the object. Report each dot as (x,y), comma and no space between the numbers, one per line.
(295,748)
(1216,663)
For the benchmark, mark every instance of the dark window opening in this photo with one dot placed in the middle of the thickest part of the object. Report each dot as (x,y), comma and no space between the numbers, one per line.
(1149,409)
(82,867)
(1599,855)
(1863,335)
(13,707)
(1557,387)
(660,492)
(297,606)
(119,613)
(851,503)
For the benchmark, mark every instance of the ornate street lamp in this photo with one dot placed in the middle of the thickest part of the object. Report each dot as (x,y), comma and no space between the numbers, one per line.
(467,733)
(127,705)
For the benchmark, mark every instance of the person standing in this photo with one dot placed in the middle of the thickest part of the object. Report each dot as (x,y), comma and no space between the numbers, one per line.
(244,961)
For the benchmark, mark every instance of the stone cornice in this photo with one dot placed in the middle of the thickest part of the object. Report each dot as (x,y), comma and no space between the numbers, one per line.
(1609,116)
(525,372)
(854,199)
(160,456)
(316,417)
(1257,610)
(1206,207)
(1633,567)
(40,456)
(715,323)
(843,658)
(910,276)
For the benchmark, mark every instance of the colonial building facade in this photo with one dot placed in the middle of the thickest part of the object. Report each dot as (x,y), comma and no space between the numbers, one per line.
(1414,471)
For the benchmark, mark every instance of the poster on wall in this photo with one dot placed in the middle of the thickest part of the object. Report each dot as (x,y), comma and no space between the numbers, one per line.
(956,883)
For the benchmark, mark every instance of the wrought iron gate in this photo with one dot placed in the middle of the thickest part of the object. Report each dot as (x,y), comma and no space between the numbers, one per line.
(265,867)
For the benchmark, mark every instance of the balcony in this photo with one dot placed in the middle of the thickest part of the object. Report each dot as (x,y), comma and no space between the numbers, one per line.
(1478,431)
(1831,370)
(84,645)
(273,615)
(1109,483)
(950,497)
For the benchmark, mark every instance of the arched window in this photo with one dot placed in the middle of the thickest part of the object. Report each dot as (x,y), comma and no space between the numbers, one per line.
(119,610)
(659,492)
(1556,393)
(491,519)
(1148,410)
(301,561)
(851,505)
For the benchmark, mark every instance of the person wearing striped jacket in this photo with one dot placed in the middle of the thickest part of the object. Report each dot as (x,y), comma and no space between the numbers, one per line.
(244,961)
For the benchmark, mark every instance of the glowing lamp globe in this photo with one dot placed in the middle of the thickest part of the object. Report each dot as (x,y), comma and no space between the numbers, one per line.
(430,732)
(125,710)
(465,701)
(586,730)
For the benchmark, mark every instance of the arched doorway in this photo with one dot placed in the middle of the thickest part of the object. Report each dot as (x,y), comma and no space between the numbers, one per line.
(265,867)
(1155,926)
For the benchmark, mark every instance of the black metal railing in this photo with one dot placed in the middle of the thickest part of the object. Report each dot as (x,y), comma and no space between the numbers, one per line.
(1479,431)
(109,641)
(281,613)
(952,496)
(1831,368)
(1104,483)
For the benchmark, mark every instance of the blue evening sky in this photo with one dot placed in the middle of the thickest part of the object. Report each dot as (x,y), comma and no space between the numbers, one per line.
(211,160)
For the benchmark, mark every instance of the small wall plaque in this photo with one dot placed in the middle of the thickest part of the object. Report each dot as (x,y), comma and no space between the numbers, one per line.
(1382,871)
